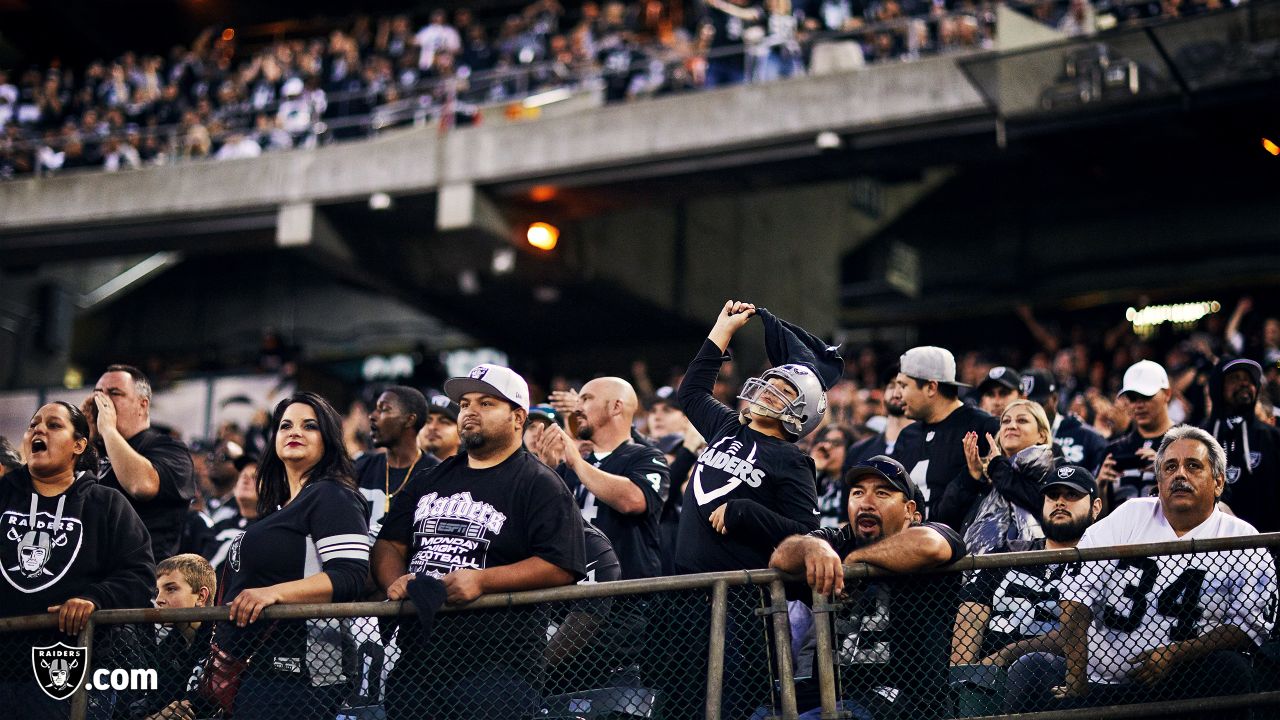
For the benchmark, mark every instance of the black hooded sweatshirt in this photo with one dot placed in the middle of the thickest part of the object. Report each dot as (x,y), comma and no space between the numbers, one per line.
(1253,458)
(87,542)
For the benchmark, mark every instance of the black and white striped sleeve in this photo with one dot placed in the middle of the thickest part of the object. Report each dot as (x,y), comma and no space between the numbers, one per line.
(341,534)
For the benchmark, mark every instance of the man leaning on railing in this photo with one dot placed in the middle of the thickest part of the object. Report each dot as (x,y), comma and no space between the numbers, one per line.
(1160,628)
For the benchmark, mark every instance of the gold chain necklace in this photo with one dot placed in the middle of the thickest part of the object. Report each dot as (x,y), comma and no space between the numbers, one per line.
(386,503)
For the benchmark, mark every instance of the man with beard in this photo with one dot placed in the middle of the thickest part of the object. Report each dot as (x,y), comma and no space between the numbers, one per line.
(1252,446)
(1080,444)
(893,635)
(491,519)
(1000,606)
(1166,627)
(397,416)
(439,436)
(1128,471)
(932,449)
(621,484)
(895,420)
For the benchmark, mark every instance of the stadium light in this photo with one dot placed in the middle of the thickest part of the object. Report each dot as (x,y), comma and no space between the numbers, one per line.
(1270,147)
(379,201)
(543,235)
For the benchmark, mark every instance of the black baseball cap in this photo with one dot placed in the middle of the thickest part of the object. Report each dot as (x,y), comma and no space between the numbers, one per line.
(1003,376)
(244,461)
(885,467)
(444,406)
(1074,477)
(665,395)
(1038,385)
(543,413)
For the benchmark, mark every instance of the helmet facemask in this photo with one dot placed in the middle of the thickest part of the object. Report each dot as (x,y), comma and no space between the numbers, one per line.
(767,400)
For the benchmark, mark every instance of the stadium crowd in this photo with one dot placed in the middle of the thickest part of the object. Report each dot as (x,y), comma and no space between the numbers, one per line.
(906,462)
(225,97)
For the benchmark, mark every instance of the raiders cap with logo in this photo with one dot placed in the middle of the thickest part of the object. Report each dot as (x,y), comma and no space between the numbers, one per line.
(492,380)
(1001,376)
(442,405)
(1074,477)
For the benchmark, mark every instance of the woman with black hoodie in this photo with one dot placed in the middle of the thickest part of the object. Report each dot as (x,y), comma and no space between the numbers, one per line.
(68,546)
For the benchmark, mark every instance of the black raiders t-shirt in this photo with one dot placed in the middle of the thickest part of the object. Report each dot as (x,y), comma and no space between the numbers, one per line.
(634,536)
(933,454)
(767,483)
(374,477)
(1134,481)
(457,517)
(164,514)
(894,633)
(1080,444)
(1024,601)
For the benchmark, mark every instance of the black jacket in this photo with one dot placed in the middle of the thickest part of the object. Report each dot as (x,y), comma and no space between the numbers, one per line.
(1253,459)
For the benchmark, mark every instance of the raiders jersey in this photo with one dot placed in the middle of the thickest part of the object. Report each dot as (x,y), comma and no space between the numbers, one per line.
(933,454)
(1141,603)
(1024,601)
(634,536)
(766,483)
(1134,481)
(379,484)
(1080,444)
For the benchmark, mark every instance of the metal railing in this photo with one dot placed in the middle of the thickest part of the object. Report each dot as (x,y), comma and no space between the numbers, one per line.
(717,645)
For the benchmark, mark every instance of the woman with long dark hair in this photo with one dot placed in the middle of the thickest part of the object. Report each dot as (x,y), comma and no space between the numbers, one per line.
(309,545)
(68,546)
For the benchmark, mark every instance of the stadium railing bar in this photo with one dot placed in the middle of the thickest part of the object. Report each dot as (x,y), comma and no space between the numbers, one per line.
(717,645)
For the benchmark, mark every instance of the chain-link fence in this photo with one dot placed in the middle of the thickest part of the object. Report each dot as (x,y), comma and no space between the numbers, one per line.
(1177,629)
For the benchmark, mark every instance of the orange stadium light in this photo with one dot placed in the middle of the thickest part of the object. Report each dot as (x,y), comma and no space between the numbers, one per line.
(1270,147)
(543,235)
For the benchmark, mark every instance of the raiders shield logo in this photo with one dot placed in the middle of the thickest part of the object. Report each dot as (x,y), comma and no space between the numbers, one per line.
(233,555)
(1233,474)
(478,372)
(38,547)
(59,669)
(1255,459)
(1066,472)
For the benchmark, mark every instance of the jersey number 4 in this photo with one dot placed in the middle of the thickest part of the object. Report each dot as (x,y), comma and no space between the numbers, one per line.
(1180,601)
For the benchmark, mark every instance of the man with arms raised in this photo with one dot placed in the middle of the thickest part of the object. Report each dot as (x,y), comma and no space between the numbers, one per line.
(492,519)
(621,484)
(895,631)
(152,469)
(1164,627)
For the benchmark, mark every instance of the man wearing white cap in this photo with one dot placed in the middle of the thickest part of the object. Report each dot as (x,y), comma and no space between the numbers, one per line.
(932,448)
(1127,470)
(491,519)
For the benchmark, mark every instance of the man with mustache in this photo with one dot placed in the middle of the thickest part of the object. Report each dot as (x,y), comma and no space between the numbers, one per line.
(1164,627)
(1252,445)
(895,416)
(895,631)
(397,416)
(439,437)
(1000,606)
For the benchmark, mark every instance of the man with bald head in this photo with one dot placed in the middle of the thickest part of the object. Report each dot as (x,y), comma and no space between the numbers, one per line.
(622,484)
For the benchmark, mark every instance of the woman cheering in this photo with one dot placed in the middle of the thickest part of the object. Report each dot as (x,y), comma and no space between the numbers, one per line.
(68,546)
(310,545)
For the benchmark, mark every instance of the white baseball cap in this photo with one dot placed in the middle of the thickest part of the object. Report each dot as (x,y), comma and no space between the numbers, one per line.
(930,363)
(1145,378)
(492,380)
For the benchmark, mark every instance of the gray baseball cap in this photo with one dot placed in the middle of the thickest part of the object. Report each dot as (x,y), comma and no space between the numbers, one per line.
(930,363)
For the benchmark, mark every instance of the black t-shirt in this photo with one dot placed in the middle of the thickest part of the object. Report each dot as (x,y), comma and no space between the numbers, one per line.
(1080,444)
(894,635)
(634,537)
(164,514)
(1134,481)
(374,478)
(1023,600)
(218,541)
(933,454)
(321,529)
(767,483)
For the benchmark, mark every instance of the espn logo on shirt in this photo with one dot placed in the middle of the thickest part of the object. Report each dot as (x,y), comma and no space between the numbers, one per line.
(60,669)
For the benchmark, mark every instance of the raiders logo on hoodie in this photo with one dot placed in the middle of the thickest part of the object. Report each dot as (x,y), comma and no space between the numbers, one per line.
(39,546)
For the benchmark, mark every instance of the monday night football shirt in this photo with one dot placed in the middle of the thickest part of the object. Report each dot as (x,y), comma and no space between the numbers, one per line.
(634,536)
(767,483)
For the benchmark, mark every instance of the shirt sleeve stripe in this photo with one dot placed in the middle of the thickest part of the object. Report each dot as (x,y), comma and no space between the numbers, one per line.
(346,546)
(325,542)
(346,555)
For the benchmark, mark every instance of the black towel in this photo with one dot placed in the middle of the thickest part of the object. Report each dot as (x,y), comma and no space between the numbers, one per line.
(427,594)
(787,343)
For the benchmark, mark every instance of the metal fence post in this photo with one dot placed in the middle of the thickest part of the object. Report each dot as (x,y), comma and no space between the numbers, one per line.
(824,657)
(715,649)
(80,700)
(782,641)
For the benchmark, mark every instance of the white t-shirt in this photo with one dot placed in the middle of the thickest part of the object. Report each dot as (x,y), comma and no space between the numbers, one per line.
(1142,603)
